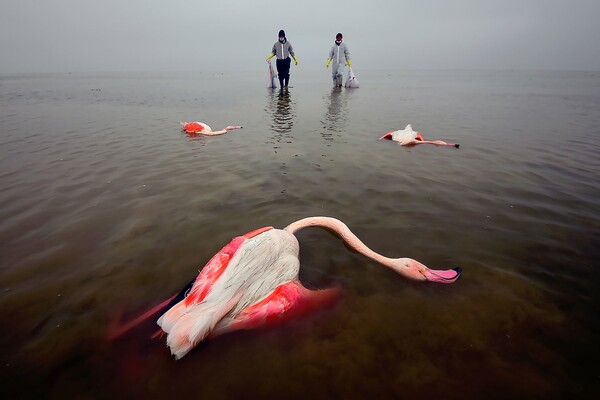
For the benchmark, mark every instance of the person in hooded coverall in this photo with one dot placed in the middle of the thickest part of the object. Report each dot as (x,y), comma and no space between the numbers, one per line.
(340,55)
(283,50)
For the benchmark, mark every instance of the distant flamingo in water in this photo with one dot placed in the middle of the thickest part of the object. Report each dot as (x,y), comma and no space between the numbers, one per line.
(200,127)
(408,137)
(253,282)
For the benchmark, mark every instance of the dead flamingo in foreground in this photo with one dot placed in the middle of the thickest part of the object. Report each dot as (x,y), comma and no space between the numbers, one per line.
(408,137)
(253,282)
(201,127)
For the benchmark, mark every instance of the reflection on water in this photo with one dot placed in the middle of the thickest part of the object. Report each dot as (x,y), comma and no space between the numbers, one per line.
(282,109)
(193,136)
(336,115)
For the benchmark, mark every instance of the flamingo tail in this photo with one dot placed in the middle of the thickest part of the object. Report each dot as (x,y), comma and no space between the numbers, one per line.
(186,326)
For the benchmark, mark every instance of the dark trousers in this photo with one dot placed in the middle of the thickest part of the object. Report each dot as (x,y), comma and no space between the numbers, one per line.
(283,71)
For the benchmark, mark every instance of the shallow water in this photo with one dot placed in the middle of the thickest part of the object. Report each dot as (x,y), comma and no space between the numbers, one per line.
(107,208)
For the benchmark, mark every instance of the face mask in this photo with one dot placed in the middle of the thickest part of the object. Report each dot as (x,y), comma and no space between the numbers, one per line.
(281,39)
(338,42)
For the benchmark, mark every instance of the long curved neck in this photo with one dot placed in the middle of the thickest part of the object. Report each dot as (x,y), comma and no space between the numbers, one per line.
(343,231)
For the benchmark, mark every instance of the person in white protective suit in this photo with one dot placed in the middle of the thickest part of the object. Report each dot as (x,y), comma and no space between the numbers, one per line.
(340,55)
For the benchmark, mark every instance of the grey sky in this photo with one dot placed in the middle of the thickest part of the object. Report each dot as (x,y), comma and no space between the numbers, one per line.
(178,35)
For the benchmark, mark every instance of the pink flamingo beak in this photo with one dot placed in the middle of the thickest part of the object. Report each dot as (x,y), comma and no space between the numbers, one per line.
(447,276)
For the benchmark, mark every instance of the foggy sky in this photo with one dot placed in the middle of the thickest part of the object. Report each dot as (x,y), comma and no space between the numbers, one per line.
(228,35)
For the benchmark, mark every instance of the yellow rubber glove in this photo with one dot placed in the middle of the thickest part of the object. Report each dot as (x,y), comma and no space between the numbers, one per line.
(295,60)
(350,63)
(328,62)
(270,56)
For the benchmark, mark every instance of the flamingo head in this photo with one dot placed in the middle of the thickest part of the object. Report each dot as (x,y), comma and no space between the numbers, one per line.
(415,270)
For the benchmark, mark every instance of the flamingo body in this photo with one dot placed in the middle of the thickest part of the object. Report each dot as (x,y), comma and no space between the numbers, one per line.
(402,136)
(253,282)
(195,127)
(409,137)
(245,272)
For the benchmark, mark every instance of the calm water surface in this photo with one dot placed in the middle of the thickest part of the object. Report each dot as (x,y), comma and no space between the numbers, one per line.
(107,208)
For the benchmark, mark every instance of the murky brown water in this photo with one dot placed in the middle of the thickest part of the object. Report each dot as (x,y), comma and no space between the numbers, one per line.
(106,207)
